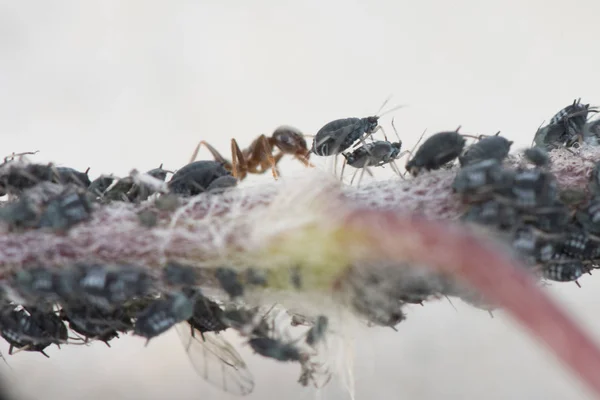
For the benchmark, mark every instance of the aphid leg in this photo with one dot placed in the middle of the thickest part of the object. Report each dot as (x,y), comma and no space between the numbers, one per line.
(216,155)
(239,165)
(343,167)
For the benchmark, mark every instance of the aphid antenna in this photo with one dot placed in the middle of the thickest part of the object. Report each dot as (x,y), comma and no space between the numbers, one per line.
(538,129)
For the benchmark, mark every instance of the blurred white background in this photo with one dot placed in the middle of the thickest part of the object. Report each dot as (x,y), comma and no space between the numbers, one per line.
(115,85)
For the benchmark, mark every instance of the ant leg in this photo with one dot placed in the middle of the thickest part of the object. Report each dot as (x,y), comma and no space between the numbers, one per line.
(304,160)
(216,155)
(239,165)
(268,151)
(396,169)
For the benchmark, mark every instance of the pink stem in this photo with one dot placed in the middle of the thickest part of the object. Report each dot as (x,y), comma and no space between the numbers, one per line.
(498,277)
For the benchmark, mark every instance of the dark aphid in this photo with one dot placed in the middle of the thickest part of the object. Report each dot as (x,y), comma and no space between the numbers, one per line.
(200,176)
(95,324)
(490,147)
(563,269)
(229,281)
(159,173)
(104,286)
(492,213)
(207,315)
(120,190)
(276,349)
(216,361)
(65,211)
(338,135)
(566,127)
(439,149)
(533,246)
(317,332)
(162,314)
(148,218)
(100,184)
(65,176)
(374,154)
(580,244)
(16,178)
(255,277)
(538,156)
(594,182)
(589,217)
(247,321)
(21,214)
(533,188)
(591,133)
(36,284)
(178,275)
(32,330)
(554,218)
(482,178)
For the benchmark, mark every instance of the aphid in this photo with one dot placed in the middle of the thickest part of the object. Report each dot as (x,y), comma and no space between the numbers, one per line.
(14,178)
(65,176)
(258,158)
(99,185)
(591,133)
(563,269)
(35,284)
(492,213)
(338,135)
(31,330)
(159,173)
(374,154)
(532,245)
(95,324)
(65,211)
(212,356)
(104,286)
(229,281)
(178,275)
(207,315)
(200,176)
(537,156)
(20,214)
(566,127)
(533,188)
(594,182)
(481,179)
(317,332)
(439,149)
(490,147)
(276,349)
(217,361)
(162,314)
(589,217)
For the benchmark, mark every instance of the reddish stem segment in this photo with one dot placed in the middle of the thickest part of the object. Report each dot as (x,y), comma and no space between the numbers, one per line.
(498,277)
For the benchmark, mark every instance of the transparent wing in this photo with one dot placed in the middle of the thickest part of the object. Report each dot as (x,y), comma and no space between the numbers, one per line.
(215,359)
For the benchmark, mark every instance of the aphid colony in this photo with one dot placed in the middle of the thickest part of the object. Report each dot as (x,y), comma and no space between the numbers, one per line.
(557,235)
(83,303)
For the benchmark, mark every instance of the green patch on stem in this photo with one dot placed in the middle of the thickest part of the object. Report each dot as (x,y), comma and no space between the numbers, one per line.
(313,256)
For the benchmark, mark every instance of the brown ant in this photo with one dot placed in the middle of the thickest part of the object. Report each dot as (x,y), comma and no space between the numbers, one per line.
(258,157)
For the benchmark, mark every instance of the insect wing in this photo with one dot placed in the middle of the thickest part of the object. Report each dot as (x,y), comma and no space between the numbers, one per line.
(215,359)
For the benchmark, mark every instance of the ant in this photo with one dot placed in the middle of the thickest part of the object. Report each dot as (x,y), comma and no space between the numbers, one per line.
(258,157)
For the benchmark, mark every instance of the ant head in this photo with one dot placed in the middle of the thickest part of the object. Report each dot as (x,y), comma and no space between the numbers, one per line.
(349,157)
(397,145)
(289,140)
